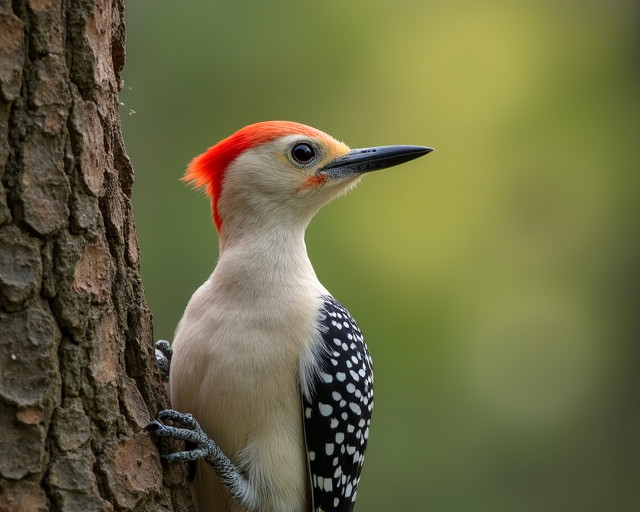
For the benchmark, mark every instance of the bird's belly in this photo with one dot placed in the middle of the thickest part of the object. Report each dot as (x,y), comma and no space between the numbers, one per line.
(247,400)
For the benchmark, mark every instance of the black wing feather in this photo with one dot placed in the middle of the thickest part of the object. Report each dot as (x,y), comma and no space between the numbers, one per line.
(337,411)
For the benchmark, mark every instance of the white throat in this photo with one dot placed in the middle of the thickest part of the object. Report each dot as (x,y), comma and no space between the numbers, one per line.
(260,265)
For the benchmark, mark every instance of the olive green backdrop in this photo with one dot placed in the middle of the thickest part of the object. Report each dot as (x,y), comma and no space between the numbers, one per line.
(496,280)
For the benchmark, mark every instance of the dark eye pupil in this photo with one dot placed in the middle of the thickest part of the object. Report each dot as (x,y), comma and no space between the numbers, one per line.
(302,153)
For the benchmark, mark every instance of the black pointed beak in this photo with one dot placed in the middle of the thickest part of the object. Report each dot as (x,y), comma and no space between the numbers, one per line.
(358,161)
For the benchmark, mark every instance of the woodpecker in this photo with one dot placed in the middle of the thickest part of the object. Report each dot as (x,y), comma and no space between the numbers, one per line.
(270,378)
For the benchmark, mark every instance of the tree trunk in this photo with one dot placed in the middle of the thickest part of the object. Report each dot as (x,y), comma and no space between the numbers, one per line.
(77,373)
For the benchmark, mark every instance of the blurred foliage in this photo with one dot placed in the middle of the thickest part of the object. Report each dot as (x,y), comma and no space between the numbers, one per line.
(496,280)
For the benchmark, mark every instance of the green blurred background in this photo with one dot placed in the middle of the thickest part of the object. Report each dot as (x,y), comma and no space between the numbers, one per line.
(496,280)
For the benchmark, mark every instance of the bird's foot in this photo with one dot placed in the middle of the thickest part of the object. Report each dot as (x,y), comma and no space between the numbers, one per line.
(163,358)
(186,428)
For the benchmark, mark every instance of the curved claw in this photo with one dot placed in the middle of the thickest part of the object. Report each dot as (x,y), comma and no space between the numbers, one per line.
(184,419)
(153,426)
(163,352)
(164,347)
(186,429)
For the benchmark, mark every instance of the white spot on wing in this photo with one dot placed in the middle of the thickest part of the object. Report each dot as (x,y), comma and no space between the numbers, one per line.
(325,409)
(326,377)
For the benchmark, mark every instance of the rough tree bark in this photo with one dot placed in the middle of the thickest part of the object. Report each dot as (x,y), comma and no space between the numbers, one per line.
(77,374)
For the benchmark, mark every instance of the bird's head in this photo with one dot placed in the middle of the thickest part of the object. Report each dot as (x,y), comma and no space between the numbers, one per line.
(281,173)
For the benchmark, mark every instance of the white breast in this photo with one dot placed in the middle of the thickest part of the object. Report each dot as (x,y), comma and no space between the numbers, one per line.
(236,367)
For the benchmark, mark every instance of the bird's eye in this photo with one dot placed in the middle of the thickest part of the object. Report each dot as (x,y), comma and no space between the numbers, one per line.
(302,153)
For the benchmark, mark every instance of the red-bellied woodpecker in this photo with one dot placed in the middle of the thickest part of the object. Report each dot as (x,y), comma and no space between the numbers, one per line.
(272,367)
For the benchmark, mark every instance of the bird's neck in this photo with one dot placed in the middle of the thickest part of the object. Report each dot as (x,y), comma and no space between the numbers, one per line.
(265,260)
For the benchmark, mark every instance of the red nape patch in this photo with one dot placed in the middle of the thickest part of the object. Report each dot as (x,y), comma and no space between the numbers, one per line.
(207,170)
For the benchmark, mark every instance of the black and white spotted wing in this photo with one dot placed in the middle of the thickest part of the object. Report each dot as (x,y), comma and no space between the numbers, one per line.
(337,412)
